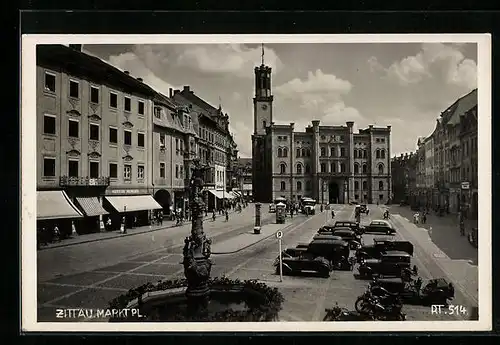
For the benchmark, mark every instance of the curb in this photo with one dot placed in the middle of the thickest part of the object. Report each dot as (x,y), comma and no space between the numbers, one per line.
(118,235)
(262,239)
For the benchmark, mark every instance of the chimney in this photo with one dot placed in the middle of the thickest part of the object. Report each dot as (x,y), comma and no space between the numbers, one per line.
(176,92)
(139,79)
(170,92)
(186,88)
(77,47)
(126,72)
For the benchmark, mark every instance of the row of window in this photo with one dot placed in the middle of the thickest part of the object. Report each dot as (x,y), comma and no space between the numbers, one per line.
(380,140)
(74,92)
(333,152)
(356,186)
(333,168)
(49,169)
(49,127)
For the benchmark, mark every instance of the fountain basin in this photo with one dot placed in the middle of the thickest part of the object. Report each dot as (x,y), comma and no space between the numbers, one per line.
(230,301)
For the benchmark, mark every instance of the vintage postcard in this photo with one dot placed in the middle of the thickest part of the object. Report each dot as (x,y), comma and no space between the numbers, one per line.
(256,183)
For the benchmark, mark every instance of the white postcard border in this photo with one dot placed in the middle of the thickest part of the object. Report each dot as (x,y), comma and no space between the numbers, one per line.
(28,186)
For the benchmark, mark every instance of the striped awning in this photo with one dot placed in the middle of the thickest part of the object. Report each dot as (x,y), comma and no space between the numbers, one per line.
(219,194)
(91,206)
(131,203)
(55,205)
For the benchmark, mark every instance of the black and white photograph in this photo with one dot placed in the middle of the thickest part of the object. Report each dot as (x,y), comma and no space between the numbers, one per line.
(256,182)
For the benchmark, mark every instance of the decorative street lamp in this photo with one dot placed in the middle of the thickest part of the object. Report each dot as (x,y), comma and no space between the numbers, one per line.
(197,263)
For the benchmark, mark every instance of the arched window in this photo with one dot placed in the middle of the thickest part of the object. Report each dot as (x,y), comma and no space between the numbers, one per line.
(308,185)
(356,185)
(365,185)
(299,185)
(285,152)
(380,185)
(308,169)
(342,167)
(308,153)
(382,153)
(298,153)
(355,153)
(323,167)
(283,185)
(332,151)
(356,168)
(365,169)
(333,167)
(282,168)
(380,169)
(280,152)
(299,169)
(323,152)
(377,153)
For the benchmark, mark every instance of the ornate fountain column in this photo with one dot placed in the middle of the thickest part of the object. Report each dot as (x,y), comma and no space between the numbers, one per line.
(197,264)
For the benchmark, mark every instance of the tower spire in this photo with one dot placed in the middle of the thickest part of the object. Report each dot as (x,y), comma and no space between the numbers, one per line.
(262,44)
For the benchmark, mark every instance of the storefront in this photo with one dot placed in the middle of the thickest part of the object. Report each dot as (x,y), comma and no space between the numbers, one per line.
(55,208)
(95,214)
(135,206)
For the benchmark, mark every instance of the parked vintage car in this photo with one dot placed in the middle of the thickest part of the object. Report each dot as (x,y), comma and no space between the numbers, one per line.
(380,226)
(336,251)
(433,291)
(296,260)
(309,206)
(381,246)
(390,264)
(354,226)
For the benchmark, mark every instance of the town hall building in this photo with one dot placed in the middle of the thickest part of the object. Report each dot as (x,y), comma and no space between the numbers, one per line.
(331,164)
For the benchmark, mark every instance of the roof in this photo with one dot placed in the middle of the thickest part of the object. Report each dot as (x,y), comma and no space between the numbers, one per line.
(461,106)
(89,67)
(164,100)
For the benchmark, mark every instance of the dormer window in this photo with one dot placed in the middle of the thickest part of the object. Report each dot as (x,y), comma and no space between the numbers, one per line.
(157,111)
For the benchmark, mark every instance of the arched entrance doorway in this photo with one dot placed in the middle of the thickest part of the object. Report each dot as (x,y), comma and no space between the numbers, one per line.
(333,193)
(164,199)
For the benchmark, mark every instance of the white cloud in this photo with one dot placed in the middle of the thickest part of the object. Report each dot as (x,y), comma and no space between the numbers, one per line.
(444,62)
(316,83)
(139,69)
(241,134)
(236,59)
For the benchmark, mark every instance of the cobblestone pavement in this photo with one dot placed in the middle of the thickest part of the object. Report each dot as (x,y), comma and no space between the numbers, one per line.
(306,297)
(94,273)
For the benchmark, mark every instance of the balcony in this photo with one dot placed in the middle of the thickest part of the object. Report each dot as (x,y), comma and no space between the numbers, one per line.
(66,181)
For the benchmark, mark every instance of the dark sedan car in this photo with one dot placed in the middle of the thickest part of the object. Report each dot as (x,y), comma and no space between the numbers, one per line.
(380,226)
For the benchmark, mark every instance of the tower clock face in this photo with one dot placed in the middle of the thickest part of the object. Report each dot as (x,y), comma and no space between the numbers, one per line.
(264,106)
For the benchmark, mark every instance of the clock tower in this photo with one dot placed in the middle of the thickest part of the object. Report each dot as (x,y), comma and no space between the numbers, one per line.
(263,100)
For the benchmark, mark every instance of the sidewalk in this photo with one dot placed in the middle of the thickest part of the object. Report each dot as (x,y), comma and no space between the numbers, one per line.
(444,232)
(107,235)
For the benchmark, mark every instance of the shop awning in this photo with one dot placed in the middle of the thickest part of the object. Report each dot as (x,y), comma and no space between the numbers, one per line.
(131,203)
(55,205)
(218,194)
(91,206)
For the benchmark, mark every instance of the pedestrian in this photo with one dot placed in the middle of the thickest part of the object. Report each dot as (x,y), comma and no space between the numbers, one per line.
(424,217)
(227,216)
(333,213)
(213,216)
(160,216)
(57,234)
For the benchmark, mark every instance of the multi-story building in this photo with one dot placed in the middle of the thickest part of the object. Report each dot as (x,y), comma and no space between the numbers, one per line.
(429,170)
(173,148)
(215,143)
(329,163)
(93,138)
(243,178)
(469,174)
(420,191)
(403,174)
(448,152)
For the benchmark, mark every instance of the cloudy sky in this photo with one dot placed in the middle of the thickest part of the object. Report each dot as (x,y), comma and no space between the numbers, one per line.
(403,85)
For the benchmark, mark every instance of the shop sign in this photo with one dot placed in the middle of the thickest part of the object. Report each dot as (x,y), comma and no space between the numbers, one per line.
(125,191)
(465,185)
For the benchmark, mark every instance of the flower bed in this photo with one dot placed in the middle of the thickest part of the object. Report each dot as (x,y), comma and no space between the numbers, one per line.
(262,303)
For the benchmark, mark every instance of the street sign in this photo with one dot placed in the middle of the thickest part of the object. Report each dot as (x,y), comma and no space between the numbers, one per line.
(279,234)
(465,185)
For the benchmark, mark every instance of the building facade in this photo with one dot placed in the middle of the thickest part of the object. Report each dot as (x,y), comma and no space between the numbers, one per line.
(215,144)
(403,173)
(242,182)
(331,164)
(93,139)
(469,155)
